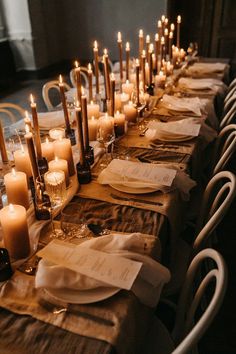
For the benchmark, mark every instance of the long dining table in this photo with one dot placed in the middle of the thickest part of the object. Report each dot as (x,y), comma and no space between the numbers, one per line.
(32,323)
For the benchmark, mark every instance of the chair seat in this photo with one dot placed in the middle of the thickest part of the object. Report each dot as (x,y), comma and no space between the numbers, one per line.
(158,340)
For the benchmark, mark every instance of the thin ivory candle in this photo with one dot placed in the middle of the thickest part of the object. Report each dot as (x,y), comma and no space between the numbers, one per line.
(36,127)
(170,44)
(157,46)
(32,154)
(78,116)
(162,47)
(143,69)
(64,105)
(147,42)
(17,188)
(62,149)
(15,231)
(96,69)
(78,80)
(178,31)
(137,66)
(90,80)
(112,94)
(119,41)
(106,74)
(85,122)
(150,51)
(141,43)
(127,51)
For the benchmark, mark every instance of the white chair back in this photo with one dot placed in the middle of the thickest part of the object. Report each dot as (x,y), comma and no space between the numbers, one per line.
(225,146)
(229,100)
(229,116)
(10,113)
(232,84)
(186,333)
(84,77)
(217,198)
(52,85)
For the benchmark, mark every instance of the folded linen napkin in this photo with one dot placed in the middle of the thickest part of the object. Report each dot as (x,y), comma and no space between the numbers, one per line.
(147,286)
(183,104)
(49,120)
(207,68)
(180,130)
(200,84)
(146,175)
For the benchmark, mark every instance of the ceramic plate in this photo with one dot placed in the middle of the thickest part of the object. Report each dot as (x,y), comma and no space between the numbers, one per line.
(126,189)
(83,296)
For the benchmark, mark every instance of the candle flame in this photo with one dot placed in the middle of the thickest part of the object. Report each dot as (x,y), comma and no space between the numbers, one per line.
(60,79)
(146,66)
(159,24)
(11,208)
(144,53)
(117,112)
(130,103)
(31,98)
(76,64)
(127,46)
(119,37)
(161,73)
(105,51)
(172,27)
(89,67)
(95,45)
(112,77)
(92,118)
(137,62)
(166,21)
(171,35)
(156,37)
(147,38)
(166,32)
(13,171)
(91,102)
(162,40)
(82,91)
(163,18)
(56,158)
(47,140)
(151,48)
(127,82)
(140,33)
(179,19)
(77,104)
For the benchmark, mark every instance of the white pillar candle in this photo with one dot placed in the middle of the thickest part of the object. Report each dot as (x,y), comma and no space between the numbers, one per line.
(22,161)
(93,110)
(48,150)
(62,149)
(117,102)
(119,122)
(57,133)
(105,126)
(160,80)
(128,87)
(130,112)
(15,231)
(60,165)
(124,98)
(93,128)
(17,188)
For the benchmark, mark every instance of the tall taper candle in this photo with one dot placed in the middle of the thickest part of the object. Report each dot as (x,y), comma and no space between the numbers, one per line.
(137,81)
(106,74)
(119,41)
(112,96)
(178,31)
(64,105)
(78,81)
(36,127)
(170,44)
(150,50)
(78,115)
(95,53)
(90,80)
(127,51)
(32,154)
(141,43)
(3,146)
(85,122)
(143,69)
(147,42)
(157,47)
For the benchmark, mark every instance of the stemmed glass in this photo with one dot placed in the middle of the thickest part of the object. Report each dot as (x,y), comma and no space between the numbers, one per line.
(106,135)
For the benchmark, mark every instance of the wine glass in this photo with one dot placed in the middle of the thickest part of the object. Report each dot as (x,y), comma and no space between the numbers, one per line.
(106,135)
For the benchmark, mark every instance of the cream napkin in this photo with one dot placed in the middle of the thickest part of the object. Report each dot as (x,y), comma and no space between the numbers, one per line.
(183,104)
(207,68)
(200,84)
(167,179)
(137,175)
(180,130)
(147,286)
(49,120)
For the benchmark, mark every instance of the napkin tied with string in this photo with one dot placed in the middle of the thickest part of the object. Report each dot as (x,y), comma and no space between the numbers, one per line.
(147,286)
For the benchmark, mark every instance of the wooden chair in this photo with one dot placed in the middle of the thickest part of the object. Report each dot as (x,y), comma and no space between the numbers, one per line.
(188,331)
(11,112)
(52,86)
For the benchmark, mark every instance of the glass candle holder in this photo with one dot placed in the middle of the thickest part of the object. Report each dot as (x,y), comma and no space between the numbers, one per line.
(55,186)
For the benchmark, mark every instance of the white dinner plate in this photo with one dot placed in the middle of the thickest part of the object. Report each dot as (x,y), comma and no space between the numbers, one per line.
(83,296)
(175,139)
(127,189)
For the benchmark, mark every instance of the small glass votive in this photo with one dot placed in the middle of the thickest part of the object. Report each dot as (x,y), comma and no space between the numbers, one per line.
(55,186)
(57,133)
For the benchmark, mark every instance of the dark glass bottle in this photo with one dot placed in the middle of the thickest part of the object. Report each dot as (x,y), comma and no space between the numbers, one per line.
(5,265)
